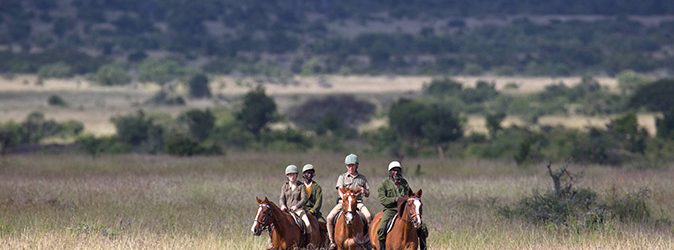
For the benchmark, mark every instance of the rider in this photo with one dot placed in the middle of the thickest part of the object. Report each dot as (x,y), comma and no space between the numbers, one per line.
(314,192)
(390,193)
(294,197)
(353,180)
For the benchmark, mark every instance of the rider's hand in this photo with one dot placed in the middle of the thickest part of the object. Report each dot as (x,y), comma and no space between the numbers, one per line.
(400,200)
(293,208)
(284,208)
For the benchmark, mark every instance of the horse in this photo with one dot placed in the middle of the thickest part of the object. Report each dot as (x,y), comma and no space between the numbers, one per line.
(284,232)
(350,232)
(403,235)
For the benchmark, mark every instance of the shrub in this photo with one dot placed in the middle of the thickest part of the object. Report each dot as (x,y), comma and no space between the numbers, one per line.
(258,110)
(95,146)
(160,71)
(111,74)
(340,115)
(55,70)
(182,145)
(140,132)
(198,86)
(163,98)
(199,123)
(55,100)
(655,96)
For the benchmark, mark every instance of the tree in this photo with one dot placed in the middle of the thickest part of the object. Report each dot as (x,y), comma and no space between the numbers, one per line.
(443,86)
(665,125)
(440,127)
(112,74)
(629,81)
(139,131)
(432,123)
(160,71)
(656,96)
(626,130)
(339,114)
(198,86)
(258,110)
(493,121)
(199,123)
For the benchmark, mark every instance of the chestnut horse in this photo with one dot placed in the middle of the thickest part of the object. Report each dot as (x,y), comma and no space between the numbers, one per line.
(403,235)
(350,232)
(284,233)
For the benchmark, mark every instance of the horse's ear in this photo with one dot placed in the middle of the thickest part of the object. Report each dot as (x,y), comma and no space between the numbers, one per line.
(418,194)
(266,200)
(258,200)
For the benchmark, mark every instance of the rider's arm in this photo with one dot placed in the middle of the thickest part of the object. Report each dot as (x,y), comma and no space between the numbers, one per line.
(366,190)
(340,183)
(282,198)
(303,197)
(319,199)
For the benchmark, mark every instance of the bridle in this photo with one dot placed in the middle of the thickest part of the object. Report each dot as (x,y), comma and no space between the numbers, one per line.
(348,210)
(265,222)
(414,213)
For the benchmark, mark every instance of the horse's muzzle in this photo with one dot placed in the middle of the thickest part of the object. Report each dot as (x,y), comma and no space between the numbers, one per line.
(349,218)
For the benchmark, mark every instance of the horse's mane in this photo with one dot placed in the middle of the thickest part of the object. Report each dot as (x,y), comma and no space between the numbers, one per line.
(401,206)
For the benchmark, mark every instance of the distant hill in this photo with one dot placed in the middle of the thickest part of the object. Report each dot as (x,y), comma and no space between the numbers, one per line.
(504,37)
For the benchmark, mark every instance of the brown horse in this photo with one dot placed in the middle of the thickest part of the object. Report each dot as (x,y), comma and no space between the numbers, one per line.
(350,232)
(284,233)
(403,235)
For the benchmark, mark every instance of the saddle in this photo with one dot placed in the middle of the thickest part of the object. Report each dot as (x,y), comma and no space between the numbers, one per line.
(299,222)
(362,217)
(390,223)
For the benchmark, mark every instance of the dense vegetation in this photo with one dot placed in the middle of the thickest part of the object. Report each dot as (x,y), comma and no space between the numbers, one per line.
(432,123)
(62,38)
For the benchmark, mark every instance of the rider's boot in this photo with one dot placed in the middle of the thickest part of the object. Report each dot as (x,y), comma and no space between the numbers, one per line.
(422,243)
(382,244)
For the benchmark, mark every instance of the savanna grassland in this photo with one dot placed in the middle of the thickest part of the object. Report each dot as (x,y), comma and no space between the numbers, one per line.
(138,201)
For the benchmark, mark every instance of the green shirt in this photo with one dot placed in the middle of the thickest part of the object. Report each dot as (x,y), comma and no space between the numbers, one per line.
(389,192)
(315,195)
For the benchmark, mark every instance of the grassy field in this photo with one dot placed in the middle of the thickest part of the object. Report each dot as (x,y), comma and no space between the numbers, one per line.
(137,201)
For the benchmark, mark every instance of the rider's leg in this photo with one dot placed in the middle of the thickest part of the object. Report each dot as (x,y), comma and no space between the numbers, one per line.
(302,214)
(422,232)
(361,207)
(329,222)
(385,218)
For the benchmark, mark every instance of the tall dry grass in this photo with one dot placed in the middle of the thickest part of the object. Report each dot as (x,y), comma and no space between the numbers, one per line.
(162,202)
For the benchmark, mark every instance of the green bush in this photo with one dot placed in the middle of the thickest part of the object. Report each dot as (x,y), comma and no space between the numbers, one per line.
(199,123)
(340,115)
(55,100)
(55,70)
(182,145)
(159,71)
(198,86)
(111,74)
(140,132)
(257,112)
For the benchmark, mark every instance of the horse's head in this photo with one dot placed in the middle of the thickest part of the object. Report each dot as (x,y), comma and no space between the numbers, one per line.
(262,218)
(349,203)
(414,208)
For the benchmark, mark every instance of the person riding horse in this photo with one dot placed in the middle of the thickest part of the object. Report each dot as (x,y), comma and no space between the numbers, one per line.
(293,196)
(355,181)
(391,192)
(314,192)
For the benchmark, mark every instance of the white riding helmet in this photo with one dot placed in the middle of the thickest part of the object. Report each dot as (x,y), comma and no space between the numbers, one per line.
(394,164)
(291,169)
(351,159)
(307,167)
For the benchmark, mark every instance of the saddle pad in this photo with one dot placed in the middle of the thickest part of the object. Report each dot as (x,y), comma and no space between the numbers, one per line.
(392,221)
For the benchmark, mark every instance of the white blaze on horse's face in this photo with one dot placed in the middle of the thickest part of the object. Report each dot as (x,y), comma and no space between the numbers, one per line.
(417,217)
(349,215)
(257,217)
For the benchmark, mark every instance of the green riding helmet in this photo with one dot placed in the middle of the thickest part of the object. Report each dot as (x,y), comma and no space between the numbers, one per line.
(351,159)
(307,167)
(291,169)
